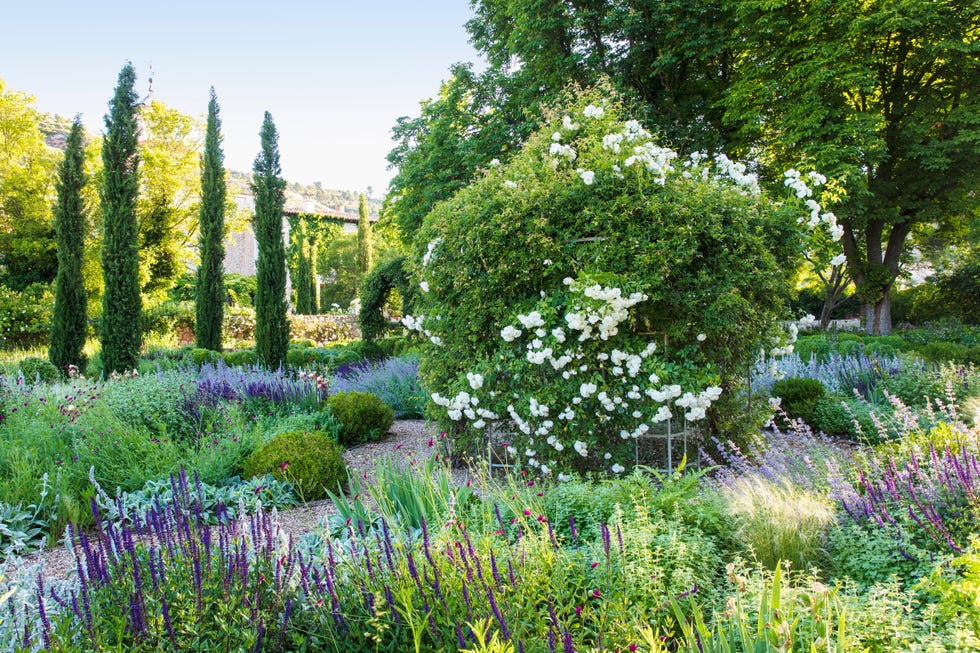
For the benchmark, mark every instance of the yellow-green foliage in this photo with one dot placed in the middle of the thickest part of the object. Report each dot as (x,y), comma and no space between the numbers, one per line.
(311,461)
(779,521)
(362,415)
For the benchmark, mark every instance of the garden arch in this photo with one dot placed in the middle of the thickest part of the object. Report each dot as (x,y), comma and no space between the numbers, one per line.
(377,288)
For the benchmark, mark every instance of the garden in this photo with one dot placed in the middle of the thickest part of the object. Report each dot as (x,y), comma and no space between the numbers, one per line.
(589,384)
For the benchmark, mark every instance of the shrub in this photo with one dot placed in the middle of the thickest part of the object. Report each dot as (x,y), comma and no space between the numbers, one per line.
(363,417)
(25,317)
(310,460)
(708,252)
(201,356)
(799,396)
(394,380)
(299,357)
(832,416)
(38,369)
(240,358)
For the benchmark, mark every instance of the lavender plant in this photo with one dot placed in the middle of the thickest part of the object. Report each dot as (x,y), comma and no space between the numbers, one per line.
(395,380)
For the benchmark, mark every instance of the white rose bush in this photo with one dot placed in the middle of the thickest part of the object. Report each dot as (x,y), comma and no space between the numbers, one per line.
(572,388)
(550,284)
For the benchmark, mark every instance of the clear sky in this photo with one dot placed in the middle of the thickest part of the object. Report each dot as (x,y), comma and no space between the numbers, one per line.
(335,74)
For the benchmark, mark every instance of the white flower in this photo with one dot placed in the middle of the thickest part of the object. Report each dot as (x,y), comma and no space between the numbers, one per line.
(702,337)
(545,470)
(567,123)
(587,389)
(588,177)
(836,232)
(510,184)
(424,286)
(581,448)
(593,111)
(512,451)
(476,380)
(494,163)
(618,469)
(531,320)
(840,259)
(556,137)
(510,333)
(564,478)
(606,456)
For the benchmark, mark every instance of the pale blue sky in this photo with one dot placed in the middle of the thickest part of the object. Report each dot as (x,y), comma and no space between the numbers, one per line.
(334,74)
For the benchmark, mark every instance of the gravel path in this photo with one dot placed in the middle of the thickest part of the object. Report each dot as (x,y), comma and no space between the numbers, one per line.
(407,441)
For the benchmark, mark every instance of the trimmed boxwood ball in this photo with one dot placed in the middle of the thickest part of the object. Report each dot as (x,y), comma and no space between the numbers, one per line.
(800,396)
(35,369)
(311,460)
(363,417)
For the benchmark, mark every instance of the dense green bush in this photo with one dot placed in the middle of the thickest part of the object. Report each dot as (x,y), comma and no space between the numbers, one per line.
(591,194)
(836,415)
(202,356)
(799,396)
(362,415)
(38,369)
(25,317)
(311,460)
(240,358)
(168,318)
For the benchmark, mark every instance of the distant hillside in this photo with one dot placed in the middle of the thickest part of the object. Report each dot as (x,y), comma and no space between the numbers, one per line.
(55,129)
(346,200)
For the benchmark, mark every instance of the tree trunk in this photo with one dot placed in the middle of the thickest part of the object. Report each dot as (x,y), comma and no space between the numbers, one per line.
(878,317)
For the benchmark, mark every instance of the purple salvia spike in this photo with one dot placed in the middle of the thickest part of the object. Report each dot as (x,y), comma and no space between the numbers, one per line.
(567,639)
(504,632)
(619,536)
(606,546)
(494,571)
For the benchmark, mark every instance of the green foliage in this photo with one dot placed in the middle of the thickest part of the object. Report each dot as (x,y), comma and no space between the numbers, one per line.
(710,256)
(200,356)
(778,521)
(27,237)
(38,369)
(799,397)
(69,324)
(312,461)
(955,588)
(25,317)
(240,358)
(881,98)
(210,295)
(767,614)
(408,497)
(364,246)
(305,279)
(121,303)
(271,327)
(362,415)
(168,318)
(375,291)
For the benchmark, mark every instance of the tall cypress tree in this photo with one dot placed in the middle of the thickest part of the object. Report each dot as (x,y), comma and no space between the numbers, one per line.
(363,240)
(121,303)
(70,303)
(268,187)
(210,278)
(304,270)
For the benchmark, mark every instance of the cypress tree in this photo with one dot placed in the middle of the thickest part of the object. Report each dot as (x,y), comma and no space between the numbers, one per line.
(304,270)
(271,326)
(363,240)
(210,293)
(68,327)
(121,304)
